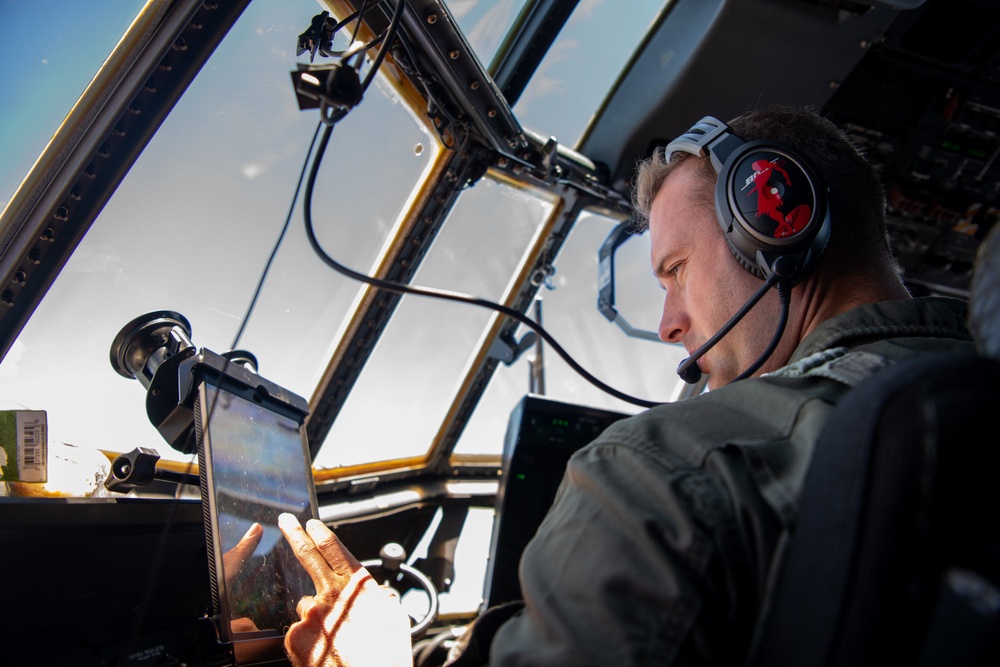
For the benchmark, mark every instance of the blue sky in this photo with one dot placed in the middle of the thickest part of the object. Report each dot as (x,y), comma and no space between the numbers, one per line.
(47,58)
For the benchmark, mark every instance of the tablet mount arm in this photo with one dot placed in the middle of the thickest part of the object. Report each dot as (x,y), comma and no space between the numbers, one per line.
(138,468)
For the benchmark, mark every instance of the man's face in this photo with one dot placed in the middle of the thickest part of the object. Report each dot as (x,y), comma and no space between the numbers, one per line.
(704,283)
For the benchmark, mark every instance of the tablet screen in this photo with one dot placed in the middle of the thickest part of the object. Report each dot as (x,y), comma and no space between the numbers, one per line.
(256,466)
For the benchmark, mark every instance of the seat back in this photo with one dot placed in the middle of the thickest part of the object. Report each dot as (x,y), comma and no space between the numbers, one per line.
(897,525)
(896,556)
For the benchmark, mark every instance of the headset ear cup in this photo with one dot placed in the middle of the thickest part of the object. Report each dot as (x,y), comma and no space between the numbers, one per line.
(769,200)
(770,203)
(747,263)
(752,267)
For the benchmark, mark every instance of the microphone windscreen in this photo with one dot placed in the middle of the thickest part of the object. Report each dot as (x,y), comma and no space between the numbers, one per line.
(689,371)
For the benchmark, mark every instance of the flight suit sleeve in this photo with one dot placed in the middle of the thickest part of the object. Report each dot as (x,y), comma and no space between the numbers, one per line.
(641,561)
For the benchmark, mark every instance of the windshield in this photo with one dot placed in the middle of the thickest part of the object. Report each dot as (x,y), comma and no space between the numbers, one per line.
(193,225)
(45,63)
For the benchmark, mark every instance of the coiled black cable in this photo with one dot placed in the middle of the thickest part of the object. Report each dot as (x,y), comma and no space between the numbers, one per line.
(400,288)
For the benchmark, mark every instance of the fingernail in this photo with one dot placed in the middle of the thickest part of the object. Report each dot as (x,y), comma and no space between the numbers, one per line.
(253,530)
(286,520)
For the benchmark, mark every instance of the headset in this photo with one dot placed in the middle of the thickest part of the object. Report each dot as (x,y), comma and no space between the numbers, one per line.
(789,216)
(774,212)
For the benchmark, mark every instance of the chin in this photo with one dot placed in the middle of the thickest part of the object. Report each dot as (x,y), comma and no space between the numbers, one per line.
(720,379)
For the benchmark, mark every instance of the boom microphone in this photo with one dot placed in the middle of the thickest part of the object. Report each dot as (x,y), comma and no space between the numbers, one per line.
(688,369)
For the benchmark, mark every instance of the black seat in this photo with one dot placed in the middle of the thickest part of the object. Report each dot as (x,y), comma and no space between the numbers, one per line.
(896,556)
(897,525)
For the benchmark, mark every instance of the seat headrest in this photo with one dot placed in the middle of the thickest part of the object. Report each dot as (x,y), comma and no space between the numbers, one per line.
(984,299)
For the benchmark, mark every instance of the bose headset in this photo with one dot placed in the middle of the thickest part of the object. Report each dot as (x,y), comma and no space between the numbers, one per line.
(773,210)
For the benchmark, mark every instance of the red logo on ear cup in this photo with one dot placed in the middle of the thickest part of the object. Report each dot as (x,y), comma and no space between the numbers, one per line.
(769,182)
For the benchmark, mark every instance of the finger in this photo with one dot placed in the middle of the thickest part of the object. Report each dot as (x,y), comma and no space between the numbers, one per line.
(307,645)
(341,561)
(390,591)
(306,552)
(305,604)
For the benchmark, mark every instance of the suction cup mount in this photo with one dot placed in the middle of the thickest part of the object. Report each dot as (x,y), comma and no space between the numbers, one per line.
(147,342)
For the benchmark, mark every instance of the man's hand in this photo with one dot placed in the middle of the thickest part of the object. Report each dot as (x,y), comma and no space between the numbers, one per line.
(351,621)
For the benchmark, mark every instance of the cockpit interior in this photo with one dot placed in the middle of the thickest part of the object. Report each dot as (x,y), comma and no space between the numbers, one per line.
(403,230)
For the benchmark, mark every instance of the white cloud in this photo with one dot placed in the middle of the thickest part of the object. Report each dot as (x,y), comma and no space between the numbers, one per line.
(252,171)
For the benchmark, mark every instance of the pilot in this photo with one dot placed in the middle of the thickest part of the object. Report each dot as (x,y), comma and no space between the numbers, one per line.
(663,541)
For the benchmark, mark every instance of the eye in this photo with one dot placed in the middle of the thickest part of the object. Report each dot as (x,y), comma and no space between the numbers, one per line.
(669,273)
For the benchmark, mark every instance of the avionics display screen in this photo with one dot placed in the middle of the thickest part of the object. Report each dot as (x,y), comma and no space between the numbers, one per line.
(255,465)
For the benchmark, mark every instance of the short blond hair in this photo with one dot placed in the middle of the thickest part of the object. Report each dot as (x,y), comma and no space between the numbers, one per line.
(652,172)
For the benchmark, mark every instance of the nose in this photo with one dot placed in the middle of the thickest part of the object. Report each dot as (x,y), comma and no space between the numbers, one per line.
(674,321)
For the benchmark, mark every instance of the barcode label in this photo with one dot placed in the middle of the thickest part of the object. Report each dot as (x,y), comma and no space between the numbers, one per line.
(24,445)
(31,432)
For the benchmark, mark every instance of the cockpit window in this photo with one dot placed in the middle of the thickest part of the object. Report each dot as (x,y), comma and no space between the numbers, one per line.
(485,23)
(638,367)
(191,228)
(194,223)
(420,360)
(582,65)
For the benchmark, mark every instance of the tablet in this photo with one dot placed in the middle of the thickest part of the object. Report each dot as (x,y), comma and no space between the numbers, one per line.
(254,464)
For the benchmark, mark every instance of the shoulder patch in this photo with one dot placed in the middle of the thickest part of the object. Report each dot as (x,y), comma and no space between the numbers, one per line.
(837,363)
